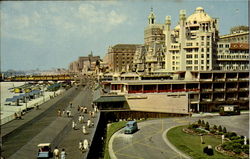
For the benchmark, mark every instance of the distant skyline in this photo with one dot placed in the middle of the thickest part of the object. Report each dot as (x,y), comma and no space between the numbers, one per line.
(51,34)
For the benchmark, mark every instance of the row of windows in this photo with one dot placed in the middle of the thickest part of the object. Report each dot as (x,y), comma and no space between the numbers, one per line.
(234,63)
(236,39)
(233,56)
(223,45)
(175,57)
(197,44)
(196,50)
(196,68)
(189,56)
(233,67)
(190,62)
(203,37)
(177,63)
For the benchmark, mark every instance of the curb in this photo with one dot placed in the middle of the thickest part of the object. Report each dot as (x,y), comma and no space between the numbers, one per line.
(164,137)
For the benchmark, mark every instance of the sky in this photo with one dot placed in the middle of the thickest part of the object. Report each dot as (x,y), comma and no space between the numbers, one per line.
(51,34)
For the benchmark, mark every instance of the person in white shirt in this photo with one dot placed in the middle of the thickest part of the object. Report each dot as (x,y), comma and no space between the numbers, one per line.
(63,154)
(56,153)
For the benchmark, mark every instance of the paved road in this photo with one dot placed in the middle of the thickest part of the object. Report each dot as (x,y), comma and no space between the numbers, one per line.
(33,123)
(148,142)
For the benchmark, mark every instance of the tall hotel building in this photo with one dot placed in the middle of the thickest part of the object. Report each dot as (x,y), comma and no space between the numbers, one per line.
(192,45)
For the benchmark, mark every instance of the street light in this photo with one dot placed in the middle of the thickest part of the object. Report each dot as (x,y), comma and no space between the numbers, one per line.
(43,94)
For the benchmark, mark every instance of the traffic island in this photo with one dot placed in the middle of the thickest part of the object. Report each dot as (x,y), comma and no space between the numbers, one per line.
(199,140)
(192,145)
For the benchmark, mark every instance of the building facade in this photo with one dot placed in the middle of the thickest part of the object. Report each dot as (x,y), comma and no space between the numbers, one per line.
(120,57)
(233,50)
(192,45)
(84,64)
(151,55)
(206,90)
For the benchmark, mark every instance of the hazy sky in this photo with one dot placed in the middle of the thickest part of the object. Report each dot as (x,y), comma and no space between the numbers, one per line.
(50,34)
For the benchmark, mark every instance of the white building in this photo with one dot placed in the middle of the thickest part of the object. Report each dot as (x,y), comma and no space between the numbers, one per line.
(191,45)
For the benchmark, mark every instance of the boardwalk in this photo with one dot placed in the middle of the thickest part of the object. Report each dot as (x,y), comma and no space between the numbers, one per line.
(44,126)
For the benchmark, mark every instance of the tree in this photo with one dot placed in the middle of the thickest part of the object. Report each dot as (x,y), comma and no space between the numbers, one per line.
(220,128)
(202,123)
(199,122)
(207,126)
(224,130)
(215,127)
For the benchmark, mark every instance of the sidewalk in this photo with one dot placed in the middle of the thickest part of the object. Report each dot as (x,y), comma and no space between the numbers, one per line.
(7,111)
(59,133)
(14,125)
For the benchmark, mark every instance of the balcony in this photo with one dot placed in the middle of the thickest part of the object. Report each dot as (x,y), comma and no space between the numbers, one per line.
(244,79)
(232,89)
(219,79)
(232,79)
(207,90)
(219,99)
(193,101)
(243,89)
(210,79)
(243,98)
(207,100)
(219,89)
(191,46)
(232,99)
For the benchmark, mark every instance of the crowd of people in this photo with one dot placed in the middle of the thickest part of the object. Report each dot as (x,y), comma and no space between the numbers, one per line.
(83,122)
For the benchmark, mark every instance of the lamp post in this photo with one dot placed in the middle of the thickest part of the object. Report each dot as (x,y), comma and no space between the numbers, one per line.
(26,102)
(43,94)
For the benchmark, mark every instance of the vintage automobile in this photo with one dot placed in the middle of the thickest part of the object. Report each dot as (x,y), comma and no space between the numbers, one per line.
(229,110)
(44,150)
(131,127)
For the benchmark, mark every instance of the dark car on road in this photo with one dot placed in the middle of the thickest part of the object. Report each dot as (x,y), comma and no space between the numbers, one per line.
(131,127)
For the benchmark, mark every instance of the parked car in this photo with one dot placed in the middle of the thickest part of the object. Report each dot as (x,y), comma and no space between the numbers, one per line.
(131,127)
(44,150)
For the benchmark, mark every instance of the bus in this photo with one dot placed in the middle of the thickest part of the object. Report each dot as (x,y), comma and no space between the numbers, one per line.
(229,110)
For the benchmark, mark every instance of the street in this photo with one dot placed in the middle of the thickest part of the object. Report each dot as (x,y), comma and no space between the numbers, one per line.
(148,142)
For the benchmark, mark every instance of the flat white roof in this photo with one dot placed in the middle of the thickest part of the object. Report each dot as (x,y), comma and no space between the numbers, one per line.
(43,144)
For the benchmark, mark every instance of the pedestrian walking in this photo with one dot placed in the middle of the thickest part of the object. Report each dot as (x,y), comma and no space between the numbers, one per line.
(85,144)
(89,123)
(82,119)
(63,154)
(63,112)
(56,153)
(69,113)
(82,109)
(70,104)
(85,110)
(59,112)
(93,114)
(81,145)
(79,118)
(84,129)
(78,108)
(73,125)
(95,109)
